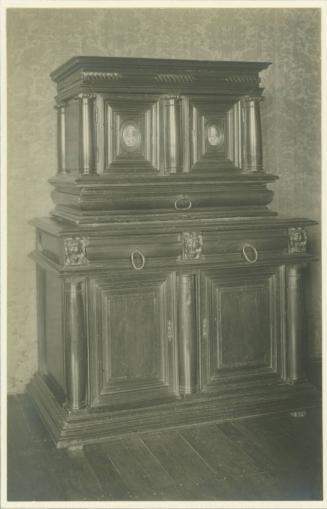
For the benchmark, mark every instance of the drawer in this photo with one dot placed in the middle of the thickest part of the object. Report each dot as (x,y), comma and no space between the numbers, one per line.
(247,247)
(134,252)
(174,249)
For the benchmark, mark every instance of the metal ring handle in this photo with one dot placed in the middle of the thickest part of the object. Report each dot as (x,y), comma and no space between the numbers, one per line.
(254,252)
(182,203)
(137,254)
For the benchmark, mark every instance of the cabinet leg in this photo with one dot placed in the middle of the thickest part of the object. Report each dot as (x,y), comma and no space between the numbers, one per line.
(299,413)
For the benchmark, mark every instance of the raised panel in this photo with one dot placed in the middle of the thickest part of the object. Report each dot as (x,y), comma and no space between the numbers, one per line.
(133,337)
(211,134)
(242,324)
(132,350)
(245,341)
(131,134)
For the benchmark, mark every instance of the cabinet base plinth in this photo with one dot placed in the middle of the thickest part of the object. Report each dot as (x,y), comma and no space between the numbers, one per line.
(86,426)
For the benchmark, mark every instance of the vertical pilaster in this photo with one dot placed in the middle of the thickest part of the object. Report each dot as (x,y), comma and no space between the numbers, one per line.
(75,343)
(252,142)
(187,345)
(61,138)
(41,314)
(87,165)
(295,325)
(172,137)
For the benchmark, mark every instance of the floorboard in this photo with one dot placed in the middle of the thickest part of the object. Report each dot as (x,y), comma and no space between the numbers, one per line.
(264,458)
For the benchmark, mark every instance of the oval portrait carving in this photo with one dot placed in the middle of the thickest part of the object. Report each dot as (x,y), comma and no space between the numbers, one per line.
(131,136)
(215,135)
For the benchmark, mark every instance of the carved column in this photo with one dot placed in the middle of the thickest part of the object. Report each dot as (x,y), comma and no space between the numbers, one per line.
(75,343)
(61,138)
(172,145)
(87,157)
(252,142)
(187,344)
(295,324)
(41,313)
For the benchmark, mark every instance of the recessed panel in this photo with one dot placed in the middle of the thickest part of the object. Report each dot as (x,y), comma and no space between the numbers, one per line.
(244,338)
(209,134)
(242,328)
(130,357)
(134,332)
(131,135)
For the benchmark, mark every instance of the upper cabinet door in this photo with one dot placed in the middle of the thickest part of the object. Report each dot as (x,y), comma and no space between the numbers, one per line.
(132,339)
(168,134)
(242,325)
(215,127)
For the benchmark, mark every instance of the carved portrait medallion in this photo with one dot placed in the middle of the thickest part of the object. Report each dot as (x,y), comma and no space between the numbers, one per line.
(215,135)
(131,136)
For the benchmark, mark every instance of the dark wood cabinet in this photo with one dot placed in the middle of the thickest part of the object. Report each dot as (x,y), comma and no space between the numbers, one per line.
(168,292)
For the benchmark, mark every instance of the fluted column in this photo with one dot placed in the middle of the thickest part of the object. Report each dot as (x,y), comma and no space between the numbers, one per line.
(87,155)
(75,343)
(172,138)
(187,344)
(295,324)
(252,142)
(61,138)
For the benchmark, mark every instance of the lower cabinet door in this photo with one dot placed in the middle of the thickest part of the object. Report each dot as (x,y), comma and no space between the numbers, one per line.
(132,347)
(242,325)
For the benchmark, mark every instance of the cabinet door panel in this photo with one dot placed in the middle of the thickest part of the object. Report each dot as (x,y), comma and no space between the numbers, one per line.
(242,324)
(132,350)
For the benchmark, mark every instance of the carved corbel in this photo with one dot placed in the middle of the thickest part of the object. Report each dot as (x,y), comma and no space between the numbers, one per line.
(192,245)
(297,240)
(75,251)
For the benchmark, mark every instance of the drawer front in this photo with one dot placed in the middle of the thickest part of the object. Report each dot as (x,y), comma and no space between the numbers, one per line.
(190,197)
(246,247)
(241,248)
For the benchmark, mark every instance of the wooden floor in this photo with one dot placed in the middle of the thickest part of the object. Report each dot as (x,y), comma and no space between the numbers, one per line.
(267,458)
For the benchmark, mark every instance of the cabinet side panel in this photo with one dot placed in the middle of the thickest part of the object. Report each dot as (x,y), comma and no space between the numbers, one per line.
(54,344)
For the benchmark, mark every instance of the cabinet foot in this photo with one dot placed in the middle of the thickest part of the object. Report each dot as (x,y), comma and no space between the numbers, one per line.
(299,413)
(75,449)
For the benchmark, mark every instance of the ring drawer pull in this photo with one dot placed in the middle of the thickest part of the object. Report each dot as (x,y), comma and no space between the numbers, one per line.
(183,203)
(137,259)
(247,248)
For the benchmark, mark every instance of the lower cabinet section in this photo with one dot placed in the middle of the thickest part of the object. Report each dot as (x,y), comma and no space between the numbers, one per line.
(145,349)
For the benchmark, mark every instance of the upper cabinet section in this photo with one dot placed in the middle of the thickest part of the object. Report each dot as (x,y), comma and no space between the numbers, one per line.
(149,117)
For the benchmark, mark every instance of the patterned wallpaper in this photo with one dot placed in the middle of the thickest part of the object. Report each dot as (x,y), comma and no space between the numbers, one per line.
(39,40)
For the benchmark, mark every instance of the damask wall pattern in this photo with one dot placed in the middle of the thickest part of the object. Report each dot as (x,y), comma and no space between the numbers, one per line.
(39,40)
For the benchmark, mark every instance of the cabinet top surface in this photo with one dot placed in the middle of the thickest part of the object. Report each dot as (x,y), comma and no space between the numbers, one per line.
(152,65)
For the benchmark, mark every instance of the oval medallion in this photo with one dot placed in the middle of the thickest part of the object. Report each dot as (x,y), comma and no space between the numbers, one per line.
(131,136)
(215,135)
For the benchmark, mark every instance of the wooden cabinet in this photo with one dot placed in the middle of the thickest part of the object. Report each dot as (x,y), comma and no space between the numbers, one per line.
(168,292)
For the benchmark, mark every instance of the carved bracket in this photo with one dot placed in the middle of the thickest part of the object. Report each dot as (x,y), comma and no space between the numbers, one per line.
(192,245)
(75,251)
(297,240)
